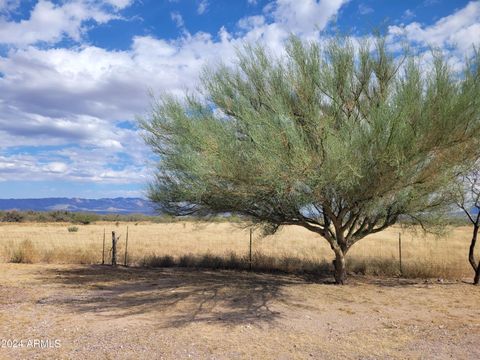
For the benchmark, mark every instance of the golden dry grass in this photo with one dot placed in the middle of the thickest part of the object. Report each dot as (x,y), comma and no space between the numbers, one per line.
(423,255)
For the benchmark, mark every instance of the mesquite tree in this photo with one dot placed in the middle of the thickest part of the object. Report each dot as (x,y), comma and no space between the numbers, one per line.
(342,139)
(469,202)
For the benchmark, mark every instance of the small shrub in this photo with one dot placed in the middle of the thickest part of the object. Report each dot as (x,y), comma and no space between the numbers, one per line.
(235,262)
(86,257)
(158,261)
(209,261)
(60,216)
(48,256)
(72,229)
(13,216)
(24,253)
(262,262)
(85,219)
(187,261)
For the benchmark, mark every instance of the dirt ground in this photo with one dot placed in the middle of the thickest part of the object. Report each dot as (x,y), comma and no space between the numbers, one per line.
(96,312)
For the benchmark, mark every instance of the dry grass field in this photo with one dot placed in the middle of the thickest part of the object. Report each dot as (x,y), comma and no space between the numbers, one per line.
(293,249)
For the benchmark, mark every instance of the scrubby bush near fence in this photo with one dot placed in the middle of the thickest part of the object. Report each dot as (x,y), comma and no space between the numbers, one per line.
(91,217)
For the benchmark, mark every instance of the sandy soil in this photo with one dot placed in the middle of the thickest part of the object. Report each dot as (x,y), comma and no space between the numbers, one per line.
(96,312)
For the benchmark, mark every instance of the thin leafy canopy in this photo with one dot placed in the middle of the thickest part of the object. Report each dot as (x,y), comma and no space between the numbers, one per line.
(340,139)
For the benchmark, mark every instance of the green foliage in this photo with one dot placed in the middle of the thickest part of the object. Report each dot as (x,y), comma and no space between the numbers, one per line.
(12,216)
(339,139)
(79,218)
(72,229)
(85,218)
(61,216)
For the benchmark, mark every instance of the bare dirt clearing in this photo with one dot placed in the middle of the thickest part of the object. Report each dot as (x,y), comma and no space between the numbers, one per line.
(99,312)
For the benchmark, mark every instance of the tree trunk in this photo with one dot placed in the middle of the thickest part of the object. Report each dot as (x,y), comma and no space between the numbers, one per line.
(471,255)
(476,279)
(340,273)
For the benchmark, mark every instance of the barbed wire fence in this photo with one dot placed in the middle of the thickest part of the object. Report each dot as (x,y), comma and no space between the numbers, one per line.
(224,246)
(404,254)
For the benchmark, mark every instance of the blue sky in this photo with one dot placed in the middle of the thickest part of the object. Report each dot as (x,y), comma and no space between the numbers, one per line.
(75,74)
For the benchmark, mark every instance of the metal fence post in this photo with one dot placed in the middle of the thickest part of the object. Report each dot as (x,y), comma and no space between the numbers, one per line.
(250,250)
(126,248)
(114,249)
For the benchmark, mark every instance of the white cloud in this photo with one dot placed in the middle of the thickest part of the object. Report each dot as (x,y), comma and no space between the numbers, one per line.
(251,22)
(77,96)
(177,19)
(364,9)
(51,23)
(56,167)
(202,7)
(82,166)
(120,4)
(8,5)
(458,30)
(305,16)
(408,14)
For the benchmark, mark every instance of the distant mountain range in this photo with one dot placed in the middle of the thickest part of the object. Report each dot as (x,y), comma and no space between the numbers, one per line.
(101,206)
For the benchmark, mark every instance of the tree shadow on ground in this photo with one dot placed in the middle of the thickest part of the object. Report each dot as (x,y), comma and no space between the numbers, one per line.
(174,297)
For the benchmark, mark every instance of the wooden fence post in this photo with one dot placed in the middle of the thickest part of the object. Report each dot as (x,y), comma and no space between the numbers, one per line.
(400,252)
(114,249)
(126,248)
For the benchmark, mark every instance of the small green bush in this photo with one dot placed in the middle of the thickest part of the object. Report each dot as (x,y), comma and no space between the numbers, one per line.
(72,229)
(12,216)
(85,218)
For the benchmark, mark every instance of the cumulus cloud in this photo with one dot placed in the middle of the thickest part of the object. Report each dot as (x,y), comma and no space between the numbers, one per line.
(8,5)
(119,4)
(83,165)
(305,16)
(50,23)
(251,22)
(56,167)
(75,100)
(458,30)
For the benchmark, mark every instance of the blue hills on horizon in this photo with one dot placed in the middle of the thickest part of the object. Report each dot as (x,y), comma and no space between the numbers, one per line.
(118,205)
